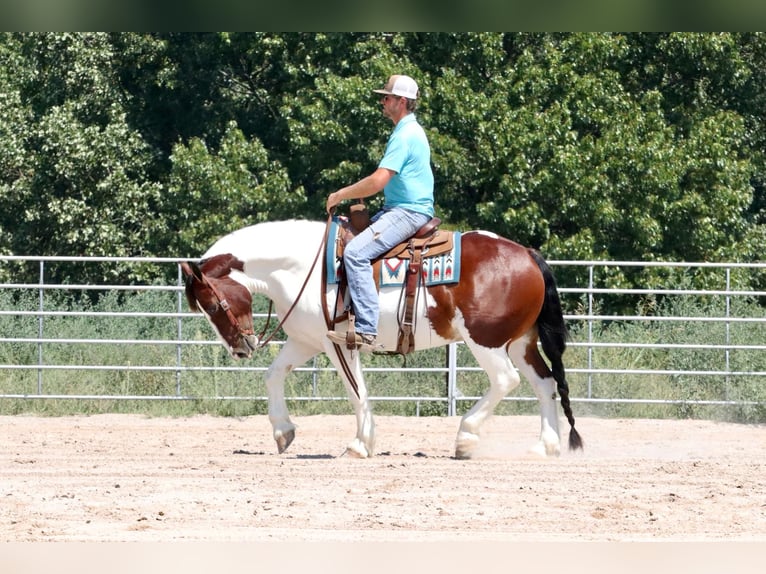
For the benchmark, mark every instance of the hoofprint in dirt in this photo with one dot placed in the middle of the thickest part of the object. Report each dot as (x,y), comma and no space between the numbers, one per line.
(131,478)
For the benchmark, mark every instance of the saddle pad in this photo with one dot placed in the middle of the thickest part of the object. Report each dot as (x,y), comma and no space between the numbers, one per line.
(437,270)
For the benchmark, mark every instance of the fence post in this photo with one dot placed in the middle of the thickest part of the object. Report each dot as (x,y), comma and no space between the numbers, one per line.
(728,333)
(451,378)
(314,377)
(590,331)
(40,331)
(179,310)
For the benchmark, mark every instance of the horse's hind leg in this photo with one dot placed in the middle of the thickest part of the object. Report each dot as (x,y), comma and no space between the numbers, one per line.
(292,355)
(527,358)
(503,378)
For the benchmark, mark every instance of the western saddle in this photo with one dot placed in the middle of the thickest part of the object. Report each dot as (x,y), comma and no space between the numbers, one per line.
(428,241)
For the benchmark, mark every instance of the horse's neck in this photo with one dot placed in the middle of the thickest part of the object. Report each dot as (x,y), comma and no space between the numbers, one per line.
(275,254)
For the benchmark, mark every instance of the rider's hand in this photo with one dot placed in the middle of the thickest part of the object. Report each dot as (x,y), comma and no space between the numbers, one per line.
(332,201)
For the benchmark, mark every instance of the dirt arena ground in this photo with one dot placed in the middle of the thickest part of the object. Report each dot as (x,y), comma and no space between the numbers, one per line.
(131,478)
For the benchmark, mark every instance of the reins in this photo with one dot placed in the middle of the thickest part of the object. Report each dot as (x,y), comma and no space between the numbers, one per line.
(262,342)
(330,322)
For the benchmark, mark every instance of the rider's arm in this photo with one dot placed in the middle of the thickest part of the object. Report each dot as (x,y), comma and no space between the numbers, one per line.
(365,187)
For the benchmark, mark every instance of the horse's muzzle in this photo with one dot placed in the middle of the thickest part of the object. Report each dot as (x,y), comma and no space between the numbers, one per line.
(247,344)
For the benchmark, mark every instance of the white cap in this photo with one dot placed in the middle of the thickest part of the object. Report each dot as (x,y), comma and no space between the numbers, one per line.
(400,86)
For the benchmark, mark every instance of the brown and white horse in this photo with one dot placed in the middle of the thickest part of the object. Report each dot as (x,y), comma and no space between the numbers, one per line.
(505,301)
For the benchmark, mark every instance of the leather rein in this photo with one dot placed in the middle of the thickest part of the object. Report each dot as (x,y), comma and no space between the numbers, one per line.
(224,304)
(329,321)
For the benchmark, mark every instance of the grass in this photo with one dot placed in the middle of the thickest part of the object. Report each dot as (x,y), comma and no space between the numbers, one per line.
(239,389)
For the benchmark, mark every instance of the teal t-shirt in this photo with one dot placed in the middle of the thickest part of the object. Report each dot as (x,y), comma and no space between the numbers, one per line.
(409,155)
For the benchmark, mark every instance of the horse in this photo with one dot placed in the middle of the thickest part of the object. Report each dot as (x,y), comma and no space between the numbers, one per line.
(505,300)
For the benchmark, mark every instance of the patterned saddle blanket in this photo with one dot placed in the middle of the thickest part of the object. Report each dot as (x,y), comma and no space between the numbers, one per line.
(437,269)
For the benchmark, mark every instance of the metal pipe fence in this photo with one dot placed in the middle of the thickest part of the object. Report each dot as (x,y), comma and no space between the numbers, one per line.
(716,359)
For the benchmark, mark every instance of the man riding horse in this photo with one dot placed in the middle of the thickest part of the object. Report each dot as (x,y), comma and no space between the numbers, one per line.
(404,174)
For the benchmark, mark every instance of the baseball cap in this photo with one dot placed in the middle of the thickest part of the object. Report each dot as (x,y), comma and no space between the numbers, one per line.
(398,85)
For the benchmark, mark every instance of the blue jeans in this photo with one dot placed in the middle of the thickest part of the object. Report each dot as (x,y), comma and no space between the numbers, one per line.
(388,228)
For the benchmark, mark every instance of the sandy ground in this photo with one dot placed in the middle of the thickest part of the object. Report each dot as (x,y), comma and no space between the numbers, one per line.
(131,478)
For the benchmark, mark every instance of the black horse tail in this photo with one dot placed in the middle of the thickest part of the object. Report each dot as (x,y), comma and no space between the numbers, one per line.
(553,337)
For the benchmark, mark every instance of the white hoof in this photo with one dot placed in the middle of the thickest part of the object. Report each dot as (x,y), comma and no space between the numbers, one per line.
(357,449)
(544,450)
(466,444)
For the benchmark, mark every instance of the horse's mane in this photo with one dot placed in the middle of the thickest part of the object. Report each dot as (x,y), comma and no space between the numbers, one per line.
(220,265)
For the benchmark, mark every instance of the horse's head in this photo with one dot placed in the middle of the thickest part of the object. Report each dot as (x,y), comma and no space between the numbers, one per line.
(226,303)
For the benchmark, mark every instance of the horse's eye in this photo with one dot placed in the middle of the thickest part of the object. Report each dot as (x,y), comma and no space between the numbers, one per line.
(209,310)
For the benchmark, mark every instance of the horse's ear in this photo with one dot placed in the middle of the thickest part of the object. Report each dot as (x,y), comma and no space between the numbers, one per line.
(191,272)
(191,269)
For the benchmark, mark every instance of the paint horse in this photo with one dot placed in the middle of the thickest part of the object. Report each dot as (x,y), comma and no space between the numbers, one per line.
(505,301)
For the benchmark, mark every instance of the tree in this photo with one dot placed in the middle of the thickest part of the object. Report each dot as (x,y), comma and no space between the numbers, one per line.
(76,175)
(211,193)
(610,146)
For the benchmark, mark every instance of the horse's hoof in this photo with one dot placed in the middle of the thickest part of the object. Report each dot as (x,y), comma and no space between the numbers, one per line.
(545,450)
(284,439)
(357,450)
(466,444)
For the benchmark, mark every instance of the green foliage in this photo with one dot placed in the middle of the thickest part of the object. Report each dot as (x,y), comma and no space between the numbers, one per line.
(644,146)
(210,194)
(73,181)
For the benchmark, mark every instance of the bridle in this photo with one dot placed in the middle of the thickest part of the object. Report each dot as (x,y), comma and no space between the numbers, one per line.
(247,332)
(223,303)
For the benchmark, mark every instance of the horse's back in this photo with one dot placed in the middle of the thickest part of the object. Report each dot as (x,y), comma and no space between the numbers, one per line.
(499,295)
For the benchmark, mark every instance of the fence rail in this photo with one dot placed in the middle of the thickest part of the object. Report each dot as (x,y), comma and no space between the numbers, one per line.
(35,347)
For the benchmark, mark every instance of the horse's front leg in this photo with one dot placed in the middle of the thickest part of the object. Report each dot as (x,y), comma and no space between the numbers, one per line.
(293,354)
(350,370)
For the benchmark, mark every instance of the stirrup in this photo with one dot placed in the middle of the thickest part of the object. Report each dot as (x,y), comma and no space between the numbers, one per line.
(354,341)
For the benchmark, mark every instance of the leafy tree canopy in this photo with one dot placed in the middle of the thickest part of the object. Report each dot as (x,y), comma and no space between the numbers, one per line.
(584,145)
